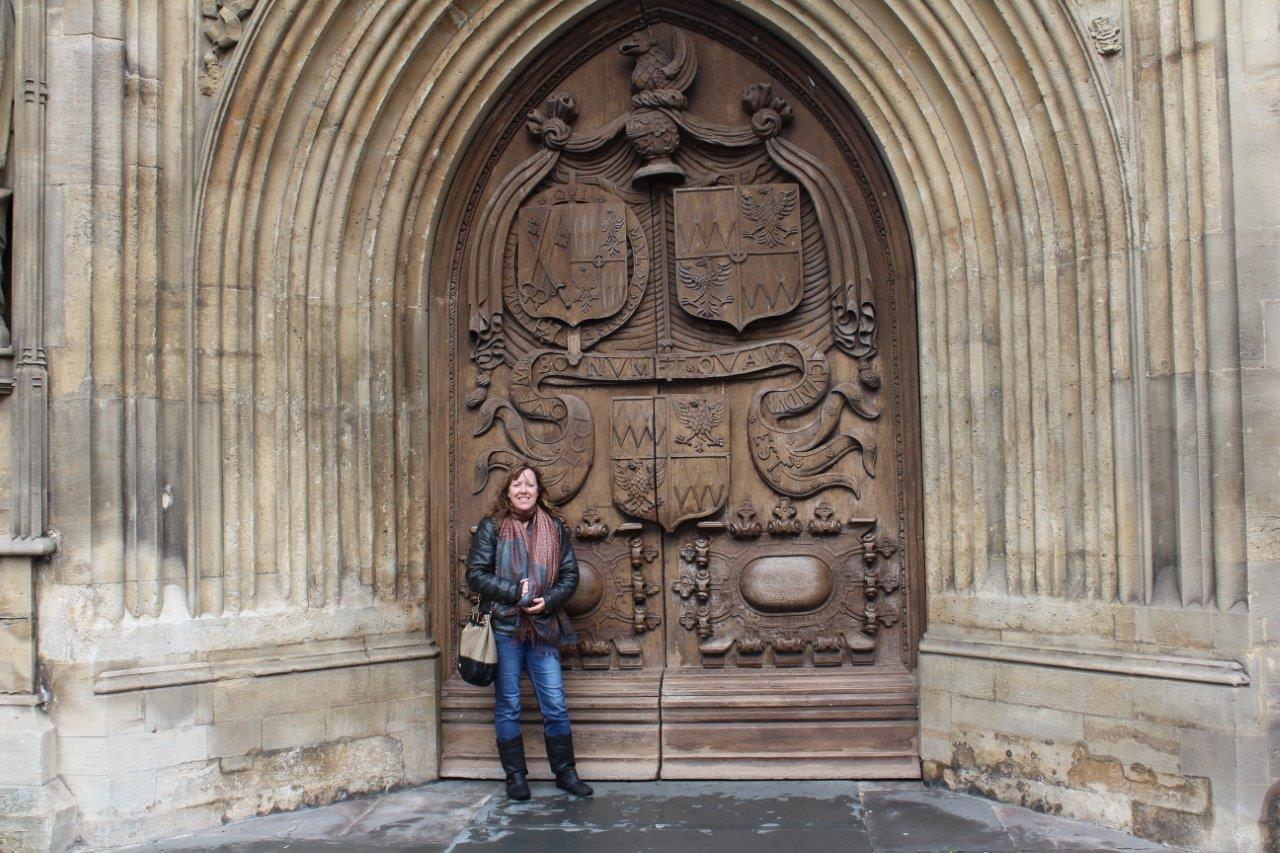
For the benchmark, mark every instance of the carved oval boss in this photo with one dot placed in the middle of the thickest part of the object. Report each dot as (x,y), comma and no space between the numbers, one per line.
(580,258)
(786,584)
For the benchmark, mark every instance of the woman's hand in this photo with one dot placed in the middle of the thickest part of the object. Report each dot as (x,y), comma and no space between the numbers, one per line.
(524,587)
(536,606)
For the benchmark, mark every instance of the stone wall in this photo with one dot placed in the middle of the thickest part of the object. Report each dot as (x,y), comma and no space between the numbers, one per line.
(222,262)
(1152,705)
(222,628)
(150,752)
(1106,727)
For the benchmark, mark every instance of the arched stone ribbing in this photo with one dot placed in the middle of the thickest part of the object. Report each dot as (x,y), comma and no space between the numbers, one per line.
(331,150)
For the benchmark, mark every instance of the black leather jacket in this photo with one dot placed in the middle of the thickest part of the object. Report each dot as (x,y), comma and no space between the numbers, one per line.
(483,579)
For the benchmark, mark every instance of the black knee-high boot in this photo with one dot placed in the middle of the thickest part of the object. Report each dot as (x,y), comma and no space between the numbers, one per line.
(511,754)
(560,756)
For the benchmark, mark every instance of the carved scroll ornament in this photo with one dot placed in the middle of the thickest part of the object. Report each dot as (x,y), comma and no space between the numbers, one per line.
(592,526)
(824,522)
(695,590)
(745,525)
(879,581)
(642,618)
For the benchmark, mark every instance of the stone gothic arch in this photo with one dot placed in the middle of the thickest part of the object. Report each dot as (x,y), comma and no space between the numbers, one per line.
(336,137)
(1078,463)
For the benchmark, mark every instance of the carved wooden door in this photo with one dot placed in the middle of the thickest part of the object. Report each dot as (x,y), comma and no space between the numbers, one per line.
(685,294)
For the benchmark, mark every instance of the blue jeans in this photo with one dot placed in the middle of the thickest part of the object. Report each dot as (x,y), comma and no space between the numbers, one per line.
(543,664)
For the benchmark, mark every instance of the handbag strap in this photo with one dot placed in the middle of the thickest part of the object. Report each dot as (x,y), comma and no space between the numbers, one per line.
(476,612)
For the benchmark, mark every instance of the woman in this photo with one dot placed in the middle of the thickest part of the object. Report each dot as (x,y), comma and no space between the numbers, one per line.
(522,565)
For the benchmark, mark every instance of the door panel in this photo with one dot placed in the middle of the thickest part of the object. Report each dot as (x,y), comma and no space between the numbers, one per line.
(685,293)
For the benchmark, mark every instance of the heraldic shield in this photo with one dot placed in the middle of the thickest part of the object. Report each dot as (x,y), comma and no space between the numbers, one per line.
(738,252)
(571,257)
(670,456)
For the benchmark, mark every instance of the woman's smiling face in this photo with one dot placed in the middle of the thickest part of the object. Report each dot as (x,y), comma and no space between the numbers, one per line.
(523,491)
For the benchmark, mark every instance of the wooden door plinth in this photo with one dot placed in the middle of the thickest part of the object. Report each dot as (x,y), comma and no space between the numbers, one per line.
(789,726)
(615,728)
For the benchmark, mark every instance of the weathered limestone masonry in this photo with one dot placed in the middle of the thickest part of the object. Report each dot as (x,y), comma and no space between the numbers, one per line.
(214,585)
(221,631)
(1117,659)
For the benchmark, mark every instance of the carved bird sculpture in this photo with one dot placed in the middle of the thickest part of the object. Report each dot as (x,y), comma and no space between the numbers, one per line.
(655,69)
(767,208)
(638,481)
(704,283)
(700,417)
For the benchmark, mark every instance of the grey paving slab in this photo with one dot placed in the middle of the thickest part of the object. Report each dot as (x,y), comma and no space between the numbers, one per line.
(1036,831)
(628,817)
(927,819)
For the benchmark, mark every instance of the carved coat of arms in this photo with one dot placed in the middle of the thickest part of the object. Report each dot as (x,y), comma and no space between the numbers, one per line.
(562,255)
(670,456)
(571,259)
(738,252)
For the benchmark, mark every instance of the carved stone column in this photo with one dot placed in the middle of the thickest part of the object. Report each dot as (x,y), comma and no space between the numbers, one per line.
(27,410)
(36,809)
(31,395)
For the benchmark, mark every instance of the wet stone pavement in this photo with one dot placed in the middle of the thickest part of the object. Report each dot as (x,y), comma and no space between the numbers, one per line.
(742,817)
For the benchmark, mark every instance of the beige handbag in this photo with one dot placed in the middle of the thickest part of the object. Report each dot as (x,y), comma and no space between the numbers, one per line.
(477,650)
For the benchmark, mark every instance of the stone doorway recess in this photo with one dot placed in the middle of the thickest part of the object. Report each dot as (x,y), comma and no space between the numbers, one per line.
(685,289)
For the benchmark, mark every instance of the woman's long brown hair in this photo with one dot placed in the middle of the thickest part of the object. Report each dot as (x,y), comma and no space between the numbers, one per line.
(502,505)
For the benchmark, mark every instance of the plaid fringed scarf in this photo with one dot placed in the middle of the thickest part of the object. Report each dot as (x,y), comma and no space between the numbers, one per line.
(534,555)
